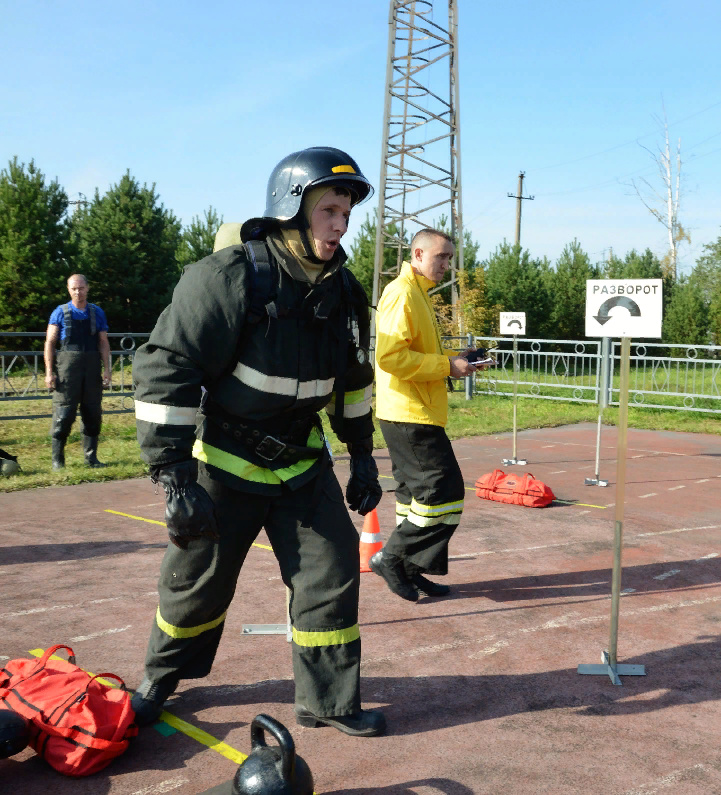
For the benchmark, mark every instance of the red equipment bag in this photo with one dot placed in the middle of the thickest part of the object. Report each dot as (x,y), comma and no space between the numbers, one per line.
(78,723)
(514,489)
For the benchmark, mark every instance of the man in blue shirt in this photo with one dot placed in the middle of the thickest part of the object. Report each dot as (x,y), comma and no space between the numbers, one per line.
(78,371)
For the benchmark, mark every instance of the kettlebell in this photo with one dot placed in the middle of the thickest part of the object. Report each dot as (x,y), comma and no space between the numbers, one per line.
(272,771)
(14,733)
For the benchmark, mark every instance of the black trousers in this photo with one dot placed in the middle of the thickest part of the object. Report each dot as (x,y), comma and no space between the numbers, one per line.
(79,382)
(320,565)
(429,495)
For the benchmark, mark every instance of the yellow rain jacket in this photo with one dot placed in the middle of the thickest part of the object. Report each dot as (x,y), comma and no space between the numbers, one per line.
(411,366)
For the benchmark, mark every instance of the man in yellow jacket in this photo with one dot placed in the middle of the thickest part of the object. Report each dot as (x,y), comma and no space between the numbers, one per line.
(412,409)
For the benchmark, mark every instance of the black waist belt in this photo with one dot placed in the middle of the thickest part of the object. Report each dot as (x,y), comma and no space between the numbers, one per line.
(278,447)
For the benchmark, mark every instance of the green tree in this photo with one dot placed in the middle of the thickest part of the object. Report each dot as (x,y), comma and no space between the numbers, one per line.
(706,275)
(198,238)
(515,282)
(686,317)
(126,243)
(568,291)
(634,266)
(33,247)
(361,257)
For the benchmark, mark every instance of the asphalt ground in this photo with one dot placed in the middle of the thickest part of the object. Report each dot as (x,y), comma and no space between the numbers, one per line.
(480,688)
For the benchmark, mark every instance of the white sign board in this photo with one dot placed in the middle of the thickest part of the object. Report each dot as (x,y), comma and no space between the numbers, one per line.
(624,307)
(513,323)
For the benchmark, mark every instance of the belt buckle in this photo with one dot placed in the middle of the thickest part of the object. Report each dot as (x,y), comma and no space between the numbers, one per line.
(270,448)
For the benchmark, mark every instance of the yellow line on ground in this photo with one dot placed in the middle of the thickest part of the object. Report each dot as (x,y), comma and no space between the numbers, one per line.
(154,521)
(582,504)
(177,723)
(203,737)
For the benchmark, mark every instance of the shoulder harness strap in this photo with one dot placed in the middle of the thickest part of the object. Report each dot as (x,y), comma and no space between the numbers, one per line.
(262,282)
(67,324)
(93,326)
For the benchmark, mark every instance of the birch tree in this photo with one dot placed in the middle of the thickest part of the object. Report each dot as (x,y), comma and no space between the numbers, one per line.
(664,203)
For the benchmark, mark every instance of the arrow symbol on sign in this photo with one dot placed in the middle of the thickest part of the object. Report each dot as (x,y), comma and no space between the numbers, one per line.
(618,300)
(514,322)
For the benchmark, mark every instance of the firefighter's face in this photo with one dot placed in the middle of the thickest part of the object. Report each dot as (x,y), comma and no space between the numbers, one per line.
(328,223)
(78,289)
(433,259)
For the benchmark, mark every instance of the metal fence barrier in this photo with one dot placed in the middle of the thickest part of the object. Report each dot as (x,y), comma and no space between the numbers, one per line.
(680,377)
(22,372)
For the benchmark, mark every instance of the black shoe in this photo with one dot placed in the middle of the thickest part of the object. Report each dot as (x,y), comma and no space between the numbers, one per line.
(391,569)
(428,587)
(361,724)
(149,698)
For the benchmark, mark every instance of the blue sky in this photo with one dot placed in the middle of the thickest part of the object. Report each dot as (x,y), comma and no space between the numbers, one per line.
(202,99)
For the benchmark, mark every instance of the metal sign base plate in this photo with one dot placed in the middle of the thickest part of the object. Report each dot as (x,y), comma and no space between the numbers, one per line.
(265,629)
(595,482)
(613,671)
(521,462)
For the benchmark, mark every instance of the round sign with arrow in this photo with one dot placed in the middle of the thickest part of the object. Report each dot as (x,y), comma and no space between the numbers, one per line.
(624,307)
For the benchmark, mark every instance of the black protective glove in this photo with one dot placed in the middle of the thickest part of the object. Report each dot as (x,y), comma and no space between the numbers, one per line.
(363,491)
(189,511)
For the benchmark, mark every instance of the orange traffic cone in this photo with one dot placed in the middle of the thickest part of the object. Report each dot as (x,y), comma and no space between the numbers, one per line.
(370,540)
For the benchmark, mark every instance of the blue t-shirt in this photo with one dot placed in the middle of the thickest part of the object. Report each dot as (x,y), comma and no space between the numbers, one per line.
(57,318)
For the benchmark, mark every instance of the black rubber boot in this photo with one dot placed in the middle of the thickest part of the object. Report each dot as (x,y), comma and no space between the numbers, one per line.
(90,444)
(58,454)
(365,723)
(391,569)
(149,699)
(428,587)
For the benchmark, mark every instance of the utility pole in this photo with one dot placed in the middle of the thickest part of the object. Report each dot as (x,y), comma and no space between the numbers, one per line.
(519,198)
(421,157)
(81,201)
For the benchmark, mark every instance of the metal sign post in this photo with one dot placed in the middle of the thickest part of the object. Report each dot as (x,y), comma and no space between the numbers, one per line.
(515,460)
(514,323)
(622,308)
(609,664)
(602,404)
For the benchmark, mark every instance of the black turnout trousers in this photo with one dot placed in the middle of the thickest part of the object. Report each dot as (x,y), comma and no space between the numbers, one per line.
(320,565)
(79,381)
(429,495)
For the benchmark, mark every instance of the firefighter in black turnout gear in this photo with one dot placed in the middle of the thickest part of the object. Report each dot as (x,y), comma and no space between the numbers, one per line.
(78,371)
(269,330)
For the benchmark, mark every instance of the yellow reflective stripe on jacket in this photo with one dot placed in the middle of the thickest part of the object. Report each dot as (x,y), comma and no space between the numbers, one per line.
(186,632)
(165,415)
(282,385)
(355,404)
(332,637)
(244,469)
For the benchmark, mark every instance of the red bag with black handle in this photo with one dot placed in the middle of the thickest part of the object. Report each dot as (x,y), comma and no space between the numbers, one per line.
(514,489)
(79,725)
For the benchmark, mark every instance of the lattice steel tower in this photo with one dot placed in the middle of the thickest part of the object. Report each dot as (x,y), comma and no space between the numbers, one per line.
(421,158)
